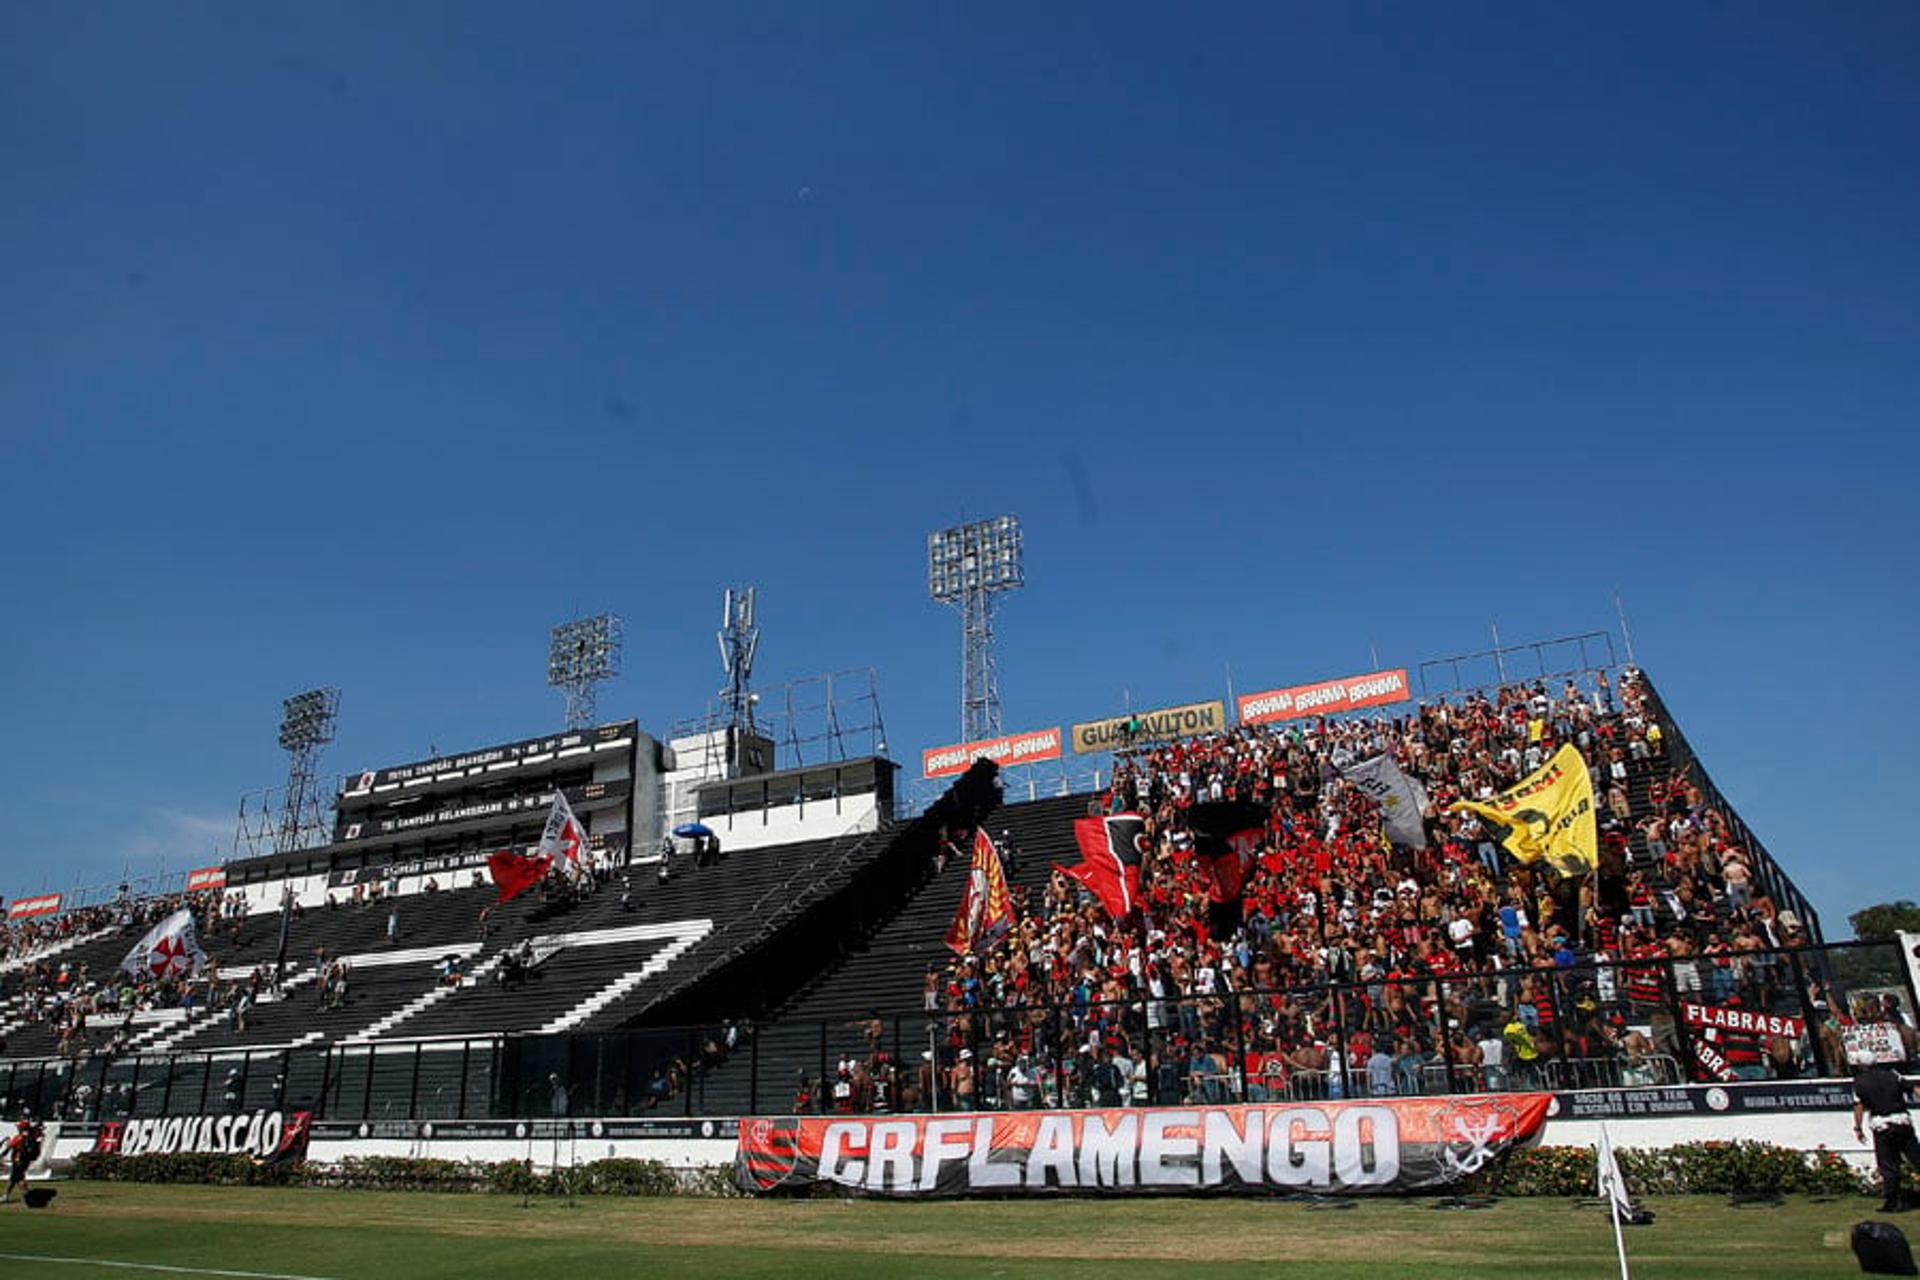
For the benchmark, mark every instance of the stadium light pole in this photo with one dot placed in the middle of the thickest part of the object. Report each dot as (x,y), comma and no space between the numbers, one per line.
(306,725)
(580,654)
(969,566)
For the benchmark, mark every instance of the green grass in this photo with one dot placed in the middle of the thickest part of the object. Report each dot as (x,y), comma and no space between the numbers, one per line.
(347,1235)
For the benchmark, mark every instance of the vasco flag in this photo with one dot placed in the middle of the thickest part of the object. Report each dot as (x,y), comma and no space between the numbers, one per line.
(986,912)
(171,949)
(1341,1147)
(1402,799)
(564,839)
(1110,852)
(515,873)
(1548,815)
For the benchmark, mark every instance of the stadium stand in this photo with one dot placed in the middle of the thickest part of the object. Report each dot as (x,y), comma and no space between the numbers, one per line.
(815,975)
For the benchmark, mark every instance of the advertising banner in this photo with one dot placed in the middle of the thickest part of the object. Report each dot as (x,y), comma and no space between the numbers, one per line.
(1345,1147)
(47,904)
(1349,693)
(1012,749)
(206,878)
(1117,732)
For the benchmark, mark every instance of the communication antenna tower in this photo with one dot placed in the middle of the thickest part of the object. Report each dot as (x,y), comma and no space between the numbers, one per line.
(739,638)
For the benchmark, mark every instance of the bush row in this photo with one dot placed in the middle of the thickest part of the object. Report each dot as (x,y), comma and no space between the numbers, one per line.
(1699,1168)
(398,1173)
(1694,1168)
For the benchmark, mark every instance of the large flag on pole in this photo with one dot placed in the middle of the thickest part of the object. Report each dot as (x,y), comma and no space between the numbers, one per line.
(564,839)
(1110,853)
(986,910)
(1548,815)
(171,949)
(1402,800)
(1613,1189)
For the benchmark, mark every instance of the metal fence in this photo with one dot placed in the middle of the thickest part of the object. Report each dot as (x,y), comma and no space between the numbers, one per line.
(1762,1015)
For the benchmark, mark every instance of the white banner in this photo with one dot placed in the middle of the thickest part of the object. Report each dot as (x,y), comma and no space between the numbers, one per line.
(1402,800)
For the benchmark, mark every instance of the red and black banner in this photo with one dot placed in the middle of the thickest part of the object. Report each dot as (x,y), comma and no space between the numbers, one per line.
(1110,853)
(1227,835)
(1343,1147)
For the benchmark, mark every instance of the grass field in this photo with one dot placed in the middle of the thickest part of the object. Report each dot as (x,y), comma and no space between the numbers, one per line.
(349,1235)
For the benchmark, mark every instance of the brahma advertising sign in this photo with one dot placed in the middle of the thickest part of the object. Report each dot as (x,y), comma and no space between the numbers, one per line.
(1349,693)
(46,904)
(1012,749)
(1343,1147)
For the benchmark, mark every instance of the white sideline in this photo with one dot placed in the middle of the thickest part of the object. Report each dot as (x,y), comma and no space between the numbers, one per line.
(155,1266)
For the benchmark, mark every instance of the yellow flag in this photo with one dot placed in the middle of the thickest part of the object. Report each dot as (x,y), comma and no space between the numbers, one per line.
(1548,814)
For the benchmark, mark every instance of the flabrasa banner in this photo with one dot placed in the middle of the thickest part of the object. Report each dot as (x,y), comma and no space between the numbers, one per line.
(47,904)
(272,1136)
(206,878)
(1752,1022)
(1333,1146)
(1014,748)
(1118,732)
(1349,693)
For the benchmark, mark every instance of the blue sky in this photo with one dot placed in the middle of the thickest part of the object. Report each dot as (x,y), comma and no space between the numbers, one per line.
(358,344)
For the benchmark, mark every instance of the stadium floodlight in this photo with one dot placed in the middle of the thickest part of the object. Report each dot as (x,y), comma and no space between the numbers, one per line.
(580,655)
(969,566)
(306,719)
(306,725)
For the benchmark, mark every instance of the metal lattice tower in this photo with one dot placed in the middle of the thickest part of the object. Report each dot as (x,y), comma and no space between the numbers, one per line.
(739,639)
(306,725)
(969,566)
(580,655)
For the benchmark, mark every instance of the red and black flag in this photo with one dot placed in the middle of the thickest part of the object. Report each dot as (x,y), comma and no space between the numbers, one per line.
(515,872)
(1227,835)
(1110,852)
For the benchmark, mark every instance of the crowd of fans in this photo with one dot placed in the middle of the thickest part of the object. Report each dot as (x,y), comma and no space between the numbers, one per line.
(1364,968)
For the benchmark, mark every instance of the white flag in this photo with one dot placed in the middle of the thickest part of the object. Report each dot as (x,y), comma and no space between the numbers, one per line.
(1402,800)
(1610,1185)
(564,839)
(1613,1189)
(171,949)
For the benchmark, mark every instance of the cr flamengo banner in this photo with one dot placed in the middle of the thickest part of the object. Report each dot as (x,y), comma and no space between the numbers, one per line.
(1333,1146)
(1349,693)
(47,904)
(1014,748)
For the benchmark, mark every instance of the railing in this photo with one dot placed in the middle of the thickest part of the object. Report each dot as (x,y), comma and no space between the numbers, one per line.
(1640,1022)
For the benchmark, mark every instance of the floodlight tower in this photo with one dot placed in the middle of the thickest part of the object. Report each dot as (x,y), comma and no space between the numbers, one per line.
(306,725)
(739,638)
(969,566)
(583,653)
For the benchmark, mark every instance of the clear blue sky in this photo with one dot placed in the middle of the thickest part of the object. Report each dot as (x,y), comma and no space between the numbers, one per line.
(357,344)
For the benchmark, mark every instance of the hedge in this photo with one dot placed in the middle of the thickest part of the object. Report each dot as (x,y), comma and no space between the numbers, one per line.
(398,1173)
(1698,1168)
